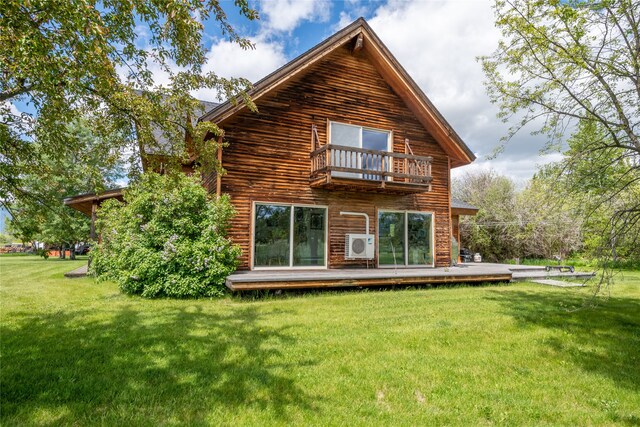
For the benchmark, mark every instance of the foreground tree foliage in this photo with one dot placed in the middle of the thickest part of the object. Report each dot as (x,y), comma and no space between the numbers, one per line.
(167,240)
(604,190)
(564,62)
(76,58)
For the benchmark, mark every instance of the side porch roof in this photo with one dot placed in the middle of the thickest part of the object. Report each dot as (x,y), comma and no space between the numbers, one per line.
(84,202)
(458,207)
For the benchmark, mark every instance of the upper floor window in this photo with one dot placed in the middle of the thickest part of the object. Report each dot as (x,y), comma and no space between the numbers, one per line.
(361,138)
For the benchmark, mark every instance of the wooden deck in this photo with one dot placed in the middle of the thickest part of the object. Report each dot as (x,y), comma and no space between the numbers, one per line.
(362,277)
(339,278)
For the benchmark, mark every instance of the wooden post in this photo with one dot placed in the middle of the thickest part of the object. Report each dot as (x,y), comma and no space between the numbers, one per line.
(314,133)
(94,209)
(218,173)
(314,137)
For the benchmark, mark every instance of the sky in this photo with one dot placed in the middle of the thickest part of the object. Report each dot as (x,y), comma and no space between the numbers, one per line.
(437,42)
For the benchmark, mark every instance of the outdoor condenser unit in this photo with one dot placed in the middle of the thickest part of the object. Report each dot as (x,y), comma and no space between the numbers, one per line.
(358,246)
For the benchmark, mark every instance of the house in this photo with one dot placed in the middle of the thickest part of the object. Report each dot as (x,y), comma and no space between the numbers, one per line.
(346,164)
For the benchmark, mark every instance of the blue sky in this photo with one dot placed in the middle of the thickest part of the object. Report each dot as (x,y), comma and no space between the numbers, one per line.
(437,42)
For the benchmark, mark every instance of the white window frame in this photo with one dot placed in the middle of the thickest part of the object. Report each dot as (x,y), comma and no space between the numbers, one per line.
(405,263)
(290,266)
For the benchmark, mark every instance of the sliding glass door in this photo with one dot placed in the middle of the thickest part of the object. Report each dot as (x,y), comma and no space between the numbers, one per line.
(391,238)
(405,238)
(308,236)
(419,239)
(272,236)
(289,236)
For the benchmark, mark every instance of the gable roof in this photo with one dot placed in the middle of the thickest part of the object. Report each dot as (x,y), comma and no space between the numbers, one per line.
(390,69)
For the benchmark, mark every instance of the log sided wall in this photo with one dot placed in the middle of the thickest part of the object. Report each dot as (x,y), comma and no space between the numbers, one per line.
(267,159)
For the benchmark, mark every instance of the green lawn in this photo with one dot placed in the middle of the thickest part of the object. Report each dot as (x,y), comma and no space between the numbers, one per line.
(75,352)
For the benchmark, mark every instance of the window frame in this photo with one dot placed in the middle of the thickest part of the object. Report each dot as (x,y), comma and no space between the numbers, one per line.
(405,263)
(291,232)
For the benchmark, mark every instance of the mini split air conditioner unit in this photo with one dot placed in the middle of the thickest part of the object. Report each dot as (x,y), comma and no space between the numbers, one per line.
(358,246)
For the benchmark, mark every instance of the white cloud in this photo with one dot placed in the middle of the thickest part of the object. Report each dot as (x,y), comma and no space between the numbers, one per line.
(21,122)
(286,15)
(344,20)
(353,10)
(437,42)
(9,108)
(519,169)
(228,59)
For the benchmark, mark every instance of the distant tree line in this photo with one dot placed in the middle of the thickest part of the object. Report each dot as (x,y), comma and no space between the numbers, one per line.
(577,206)
(510,224)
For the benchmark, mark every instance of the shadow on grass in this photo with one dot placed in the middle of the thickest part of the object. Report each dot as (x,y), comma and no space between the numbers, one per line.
(604,339)
(147,367)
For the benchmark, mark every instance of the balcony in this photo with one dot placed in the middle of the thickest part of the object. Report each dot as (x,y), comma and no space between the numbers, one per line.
(342,168)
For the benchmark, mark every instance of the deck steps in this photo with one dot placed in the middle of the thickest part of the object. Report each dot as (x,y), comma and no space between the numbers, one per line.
(78,272)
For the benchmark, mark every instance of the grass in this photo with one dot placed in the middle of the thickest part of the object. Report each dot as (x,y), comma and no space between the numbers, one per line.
(81,353)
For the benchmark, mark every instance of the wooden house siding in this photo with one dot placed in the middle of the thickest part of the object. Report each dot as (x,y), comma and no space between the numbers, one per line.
(267,159)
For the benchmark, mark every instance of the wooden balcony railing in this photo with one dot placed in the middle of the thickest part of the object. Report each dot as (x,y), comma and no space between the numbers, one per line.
(339,161)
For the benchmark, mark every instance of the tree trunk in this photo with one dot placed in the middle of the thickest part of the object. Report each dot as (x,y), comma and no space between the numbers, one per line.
(62,249)
(72,251)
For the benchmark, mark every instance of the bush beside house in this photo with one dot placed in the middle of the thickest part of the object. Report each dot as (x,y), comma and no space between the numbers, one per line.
(169,239)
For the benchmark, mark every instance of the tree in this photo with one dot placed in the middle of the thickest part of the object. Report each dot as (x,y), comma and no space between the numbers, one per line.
(493,230)
(564,62)
(532,223)
(549,222)
(76,58)
(40,214)
(600,188)
(167,239)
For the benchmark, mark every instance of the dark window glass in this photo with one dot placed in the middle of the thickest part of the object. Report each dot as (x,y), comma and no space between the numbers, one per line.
(272,236)
(391,238)
(419,239)
(308,236)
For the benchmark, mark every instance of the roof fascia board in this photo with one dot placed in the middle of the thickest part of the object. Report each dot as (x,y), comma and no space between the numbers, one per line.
(463,211)
(109,194)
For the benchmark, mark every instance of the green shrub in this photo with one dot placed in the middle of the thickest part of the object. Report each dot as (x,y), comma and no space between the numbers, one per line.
(42,253)
(167,240)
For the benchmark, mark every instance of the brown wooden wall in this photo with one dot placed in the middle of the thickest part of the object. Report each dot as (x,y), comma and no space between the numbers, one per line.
(267,158)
